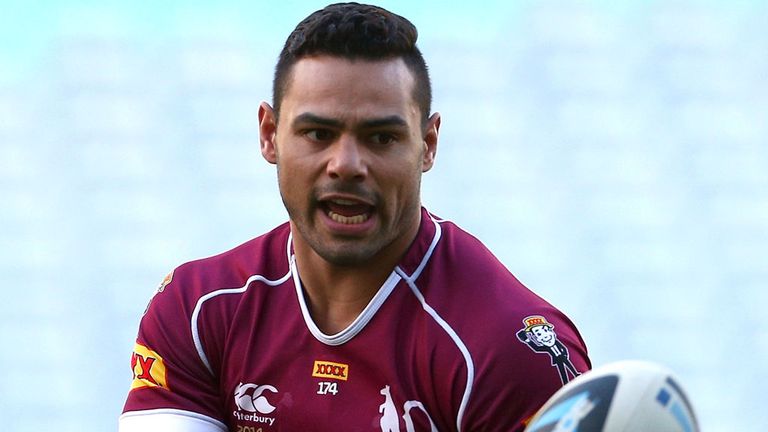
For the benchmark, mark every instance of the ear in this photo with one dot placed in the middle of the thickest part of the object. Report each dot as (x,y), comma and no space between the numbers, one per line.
(430,142)
(267,132)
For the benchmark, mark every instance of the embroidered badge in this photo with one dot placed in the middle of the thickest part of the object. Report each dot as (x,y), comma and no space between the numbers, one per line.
(540,336)
(165,282)
(168,278)
(326,369)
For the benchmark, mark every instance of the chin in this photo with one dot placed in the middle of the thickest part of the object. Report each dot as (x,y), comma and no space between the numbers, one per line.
(348,256)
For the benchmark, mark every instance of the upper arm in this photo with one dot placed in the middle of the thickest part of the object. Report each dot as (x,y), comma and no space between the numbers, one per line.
(169,376)
(514,379)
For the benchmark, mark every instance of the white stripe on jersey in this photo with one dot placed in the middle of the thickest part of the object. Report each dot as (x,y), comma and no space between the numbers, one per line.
(196,312)
(210,295)
(168,420)
(411,281)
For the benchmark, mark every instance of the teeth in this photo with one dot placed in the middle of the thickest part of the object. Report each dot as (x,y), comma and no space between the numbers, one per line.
(348,220)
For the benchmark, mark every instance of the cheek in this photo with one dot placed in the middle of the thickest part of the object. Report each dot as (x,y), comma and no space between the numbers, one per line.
(295,170)
(405,185)
(289,180)
(407,173)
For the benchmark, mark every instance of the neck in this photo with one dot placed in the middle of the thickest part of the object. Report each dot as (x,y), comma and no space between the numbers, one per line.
(336,294)
(335,298)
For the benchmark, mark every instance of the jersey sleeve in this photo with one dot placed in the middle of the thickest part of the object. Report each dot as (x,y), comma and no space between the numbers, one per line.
(172,385)
(168,421)
(523,369)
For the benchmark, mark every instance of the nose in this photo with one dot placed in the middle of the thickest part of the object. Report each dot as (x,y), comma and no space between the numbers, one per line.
(347,161)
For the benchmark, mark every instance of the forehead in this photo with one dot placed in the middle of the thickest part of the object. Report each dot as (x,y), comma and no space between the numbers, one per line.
(335,86)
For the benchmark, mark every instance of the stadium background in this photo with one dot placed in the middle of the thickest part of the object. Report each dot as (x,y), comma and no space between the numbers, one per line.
(613,154)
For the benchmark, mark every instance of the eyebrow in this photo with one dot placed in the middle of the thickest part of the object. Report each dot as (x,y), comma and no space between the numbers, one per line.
(316,119)
(393,120)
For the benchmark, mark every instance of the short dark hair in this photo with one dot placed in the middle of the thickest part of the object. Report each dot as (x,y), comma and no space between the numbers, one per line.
(355,31)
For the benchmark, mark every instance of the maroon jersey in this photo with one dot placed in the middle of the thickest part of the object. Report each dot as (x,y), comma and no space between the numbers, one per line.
(450,342)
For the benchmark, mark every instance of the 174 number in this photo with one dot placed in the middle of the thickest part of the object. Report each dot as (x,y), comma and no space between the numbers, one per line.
(328,387)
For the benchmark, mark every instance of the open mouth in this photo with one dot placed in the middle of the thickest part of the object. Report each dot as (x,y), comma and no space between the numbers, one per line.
(347,212)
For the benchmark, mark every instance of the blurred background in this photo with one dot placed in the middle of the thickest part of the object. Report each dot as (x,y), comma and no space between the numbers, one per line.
(614,155)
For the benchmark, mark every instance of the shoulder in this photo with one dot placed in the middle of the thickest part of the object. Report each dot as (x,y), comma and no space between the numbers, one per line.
(479,293)
(189,284)
(463,263)
(175,324)
(485,303)
(266,255)
(471,254)
(492,313)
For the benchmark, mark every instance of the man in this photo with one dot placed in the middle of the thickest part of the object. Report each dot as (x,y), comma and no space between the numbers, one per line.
(364,312)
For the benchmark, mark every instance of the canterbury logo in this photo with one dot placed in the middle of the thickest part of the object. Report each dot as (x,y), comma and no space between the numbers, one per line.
(325,369)
(251,398)
(148,368)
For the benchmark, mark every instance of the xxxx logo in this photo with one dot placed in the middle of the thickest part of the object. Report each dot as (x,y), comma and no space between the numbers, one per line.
(326,369)
(148,368)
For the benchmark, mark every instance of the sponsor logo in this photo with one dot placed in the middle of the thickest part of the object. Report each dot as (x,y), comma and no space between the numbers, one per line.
(252,398)
(148,368)
(325,369)
(539,334)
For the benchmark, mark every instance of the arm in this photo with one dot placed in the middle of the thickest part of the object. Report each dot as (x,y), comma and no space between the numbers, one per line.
(517,379)
(172,388)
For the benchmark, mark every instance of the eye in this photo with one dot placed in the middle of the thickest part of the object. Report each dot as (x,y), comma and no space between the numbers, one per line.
(321,135)
(383,138)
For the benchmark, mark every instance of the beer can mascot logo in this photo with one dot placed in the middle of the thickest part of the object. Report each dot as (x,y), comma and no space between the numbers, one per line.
(540,336)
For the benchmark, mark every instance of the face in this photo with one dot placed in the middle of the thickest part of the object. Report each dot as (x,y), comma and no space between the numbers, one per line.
(544,334)
(350,148)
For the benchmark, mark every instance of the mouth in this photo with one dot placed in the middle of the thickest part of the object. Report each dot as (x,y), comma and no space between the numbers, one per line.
(347,211)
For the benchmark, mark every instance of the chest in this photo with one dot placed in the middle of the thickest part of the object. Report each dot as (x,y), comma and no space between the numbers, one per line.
(402,374)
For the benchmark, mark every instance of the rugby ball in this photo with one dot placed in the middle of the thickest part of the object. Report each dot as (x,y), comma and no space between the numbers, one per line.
(625,396)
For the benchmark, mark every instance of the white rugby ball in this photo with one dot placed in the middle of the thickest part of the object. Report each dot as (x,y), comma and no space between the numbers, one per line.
(625,396)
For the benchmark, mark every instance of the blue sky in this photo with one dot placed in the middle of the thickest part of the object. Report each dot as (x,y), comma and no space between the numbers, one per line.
(29,30)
